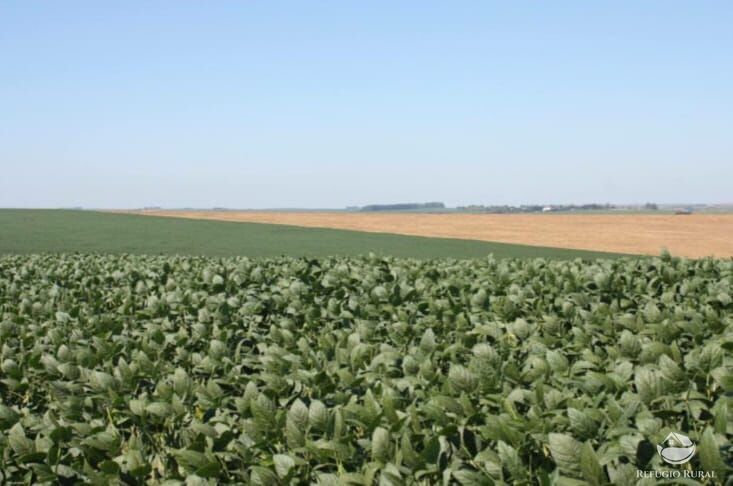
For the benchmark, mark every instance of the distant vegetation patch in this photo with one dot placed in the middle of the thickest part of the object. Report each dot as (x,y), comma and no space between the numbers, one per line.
(403,206)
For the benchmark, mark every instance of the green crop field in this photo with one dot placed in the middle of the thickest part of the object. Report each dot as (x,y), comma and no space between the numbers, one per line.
(358,371)
(41,231)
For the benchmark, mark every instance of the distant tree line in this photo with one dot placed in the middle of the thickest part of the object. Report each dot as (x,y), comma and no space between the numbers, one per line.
(535,208)
(500,209)
(403,206)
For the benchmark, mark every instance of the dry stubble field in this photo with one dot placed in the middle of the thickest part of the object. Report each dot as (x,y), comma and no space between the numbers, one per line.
(696,235)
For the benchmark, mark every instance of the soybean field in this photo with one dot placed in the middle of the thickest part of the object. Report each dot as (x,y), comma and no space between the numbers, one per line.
(129,369)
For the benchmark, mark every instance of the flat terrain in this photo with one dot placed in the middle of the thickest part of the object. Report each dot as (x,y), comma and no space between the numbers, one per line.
(159,367)
(696,235)
(56,231)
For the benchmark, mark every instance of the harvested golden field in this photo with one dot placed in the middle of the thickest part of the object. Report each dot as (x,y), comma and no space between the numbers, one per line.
(696,235)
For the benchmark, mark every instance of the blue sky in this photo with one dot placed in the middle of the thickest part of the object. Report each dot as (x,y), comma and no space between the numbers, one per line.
(335,103)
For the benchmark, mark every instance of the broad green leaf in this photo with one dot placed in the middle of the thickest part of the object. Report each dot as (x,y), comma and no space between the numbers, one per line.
(159,409)
(318,415)
(192,460)
(8,417)
(565,452)
(260,476)
(511,461)
(18,441)
(283,464)
(381,447)
(427,342)
(590,467)
(296,424)
(709,452)
(557,361)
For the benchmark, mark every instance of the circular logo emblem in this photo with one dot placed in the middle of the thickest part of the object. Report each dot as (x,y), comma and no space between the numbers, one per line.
(676,448)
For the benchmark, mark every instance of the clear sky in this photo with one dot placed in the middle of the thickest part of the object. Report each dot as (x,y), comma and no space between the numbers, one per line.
(256,104)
